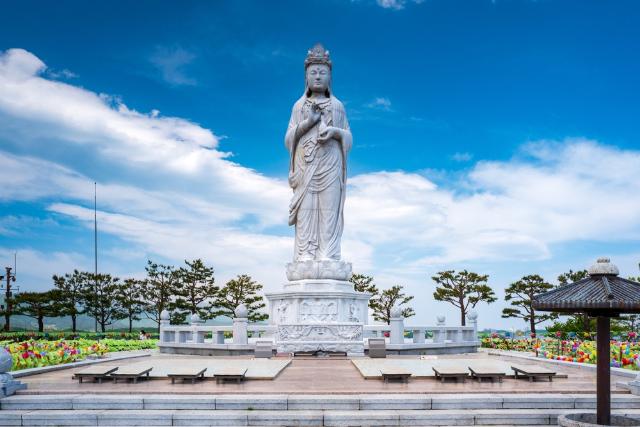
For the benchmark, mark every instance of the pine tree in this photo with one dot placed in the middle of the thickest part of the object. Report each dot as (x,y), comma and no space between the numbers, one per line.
(129,296)
(463,290)
(521,294)
(70,287)
(195,287)
(362,283)
(38,305)
(241,290)
(384,302)
(100,299)
(158,290)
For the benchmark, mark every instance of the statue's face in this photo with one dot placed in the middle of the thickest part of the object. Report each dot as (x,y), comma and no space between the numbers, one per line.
(318,76)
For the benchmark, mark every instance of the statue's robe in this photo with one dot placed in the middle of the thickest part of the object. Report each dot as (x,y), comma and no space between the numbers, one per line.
(317,175)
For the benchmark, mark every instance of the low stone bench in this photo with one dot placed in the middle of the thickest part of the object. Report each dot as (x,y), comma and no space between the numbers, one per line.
(95,373)
(230,374)
(187,374)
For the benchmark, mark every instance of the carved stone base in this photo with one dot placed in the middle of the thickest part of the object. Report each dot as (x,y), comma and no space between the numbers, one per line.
(8,386)
(346,337)
(328,304)
(326,315)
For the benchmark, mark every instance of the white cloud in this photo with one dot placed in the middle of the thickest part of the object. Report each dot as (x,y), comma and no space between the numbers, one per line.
(462,157)
(39,108)
(61,74)
(558,192)
(395,4)
(400,226)
(171,63)
(391,4)
(380,103)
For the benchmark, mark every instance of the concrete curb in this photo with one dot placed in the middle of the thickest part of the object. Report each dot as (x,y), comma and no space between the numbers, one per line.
(617,371)
(41,370)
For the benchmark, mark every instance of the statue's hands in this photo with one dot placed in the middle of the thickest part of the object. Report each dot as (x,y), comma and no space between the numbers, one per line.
(329,133)
(314,114)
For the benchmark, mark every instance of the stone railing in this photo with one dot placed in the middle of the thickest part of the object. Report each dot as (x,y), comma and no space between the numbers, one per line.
(447,336)
(195,334)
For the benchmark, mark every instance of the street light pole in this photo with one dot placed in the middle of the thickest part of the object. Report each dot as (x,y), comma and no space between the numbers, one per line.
(9,277)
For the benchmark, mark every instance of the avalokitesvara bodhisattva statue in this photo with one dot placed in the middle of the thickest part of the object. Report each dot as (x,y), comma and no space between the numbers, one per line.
(318,139)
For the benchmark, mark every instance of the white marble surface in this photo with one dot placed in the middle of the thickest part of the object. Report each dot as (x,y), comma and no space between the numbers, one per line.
(256,368)
(370,368)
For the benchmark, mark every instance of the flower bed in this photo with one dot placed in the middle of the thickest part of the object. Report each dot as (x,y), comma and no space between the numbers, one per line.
(50,336)
(33,354)
(624,354)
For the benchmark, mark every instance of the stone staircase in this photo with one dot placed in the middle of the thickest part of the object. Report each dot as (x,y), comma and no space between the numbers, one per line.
(300,410)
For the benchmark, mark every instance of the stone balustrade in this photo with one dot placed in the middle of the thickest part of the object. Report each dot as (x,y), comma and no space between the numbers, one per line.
(444,339)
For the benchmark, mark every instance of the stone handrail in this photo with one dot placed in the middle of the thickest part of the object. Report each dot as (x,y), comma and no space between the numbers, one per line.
(195,332)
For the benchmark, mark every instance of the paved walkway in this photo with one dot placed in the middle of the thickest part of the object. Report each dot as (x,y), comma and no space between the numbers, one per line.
(307,376)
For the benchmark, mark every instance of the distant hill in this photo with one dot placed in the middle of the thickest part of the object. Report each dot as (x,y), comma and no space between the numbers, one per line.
(86,323)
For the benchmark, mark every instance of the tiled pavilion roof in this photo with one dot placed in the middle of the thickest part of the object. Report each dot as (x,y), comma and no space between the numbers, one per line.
(603,293)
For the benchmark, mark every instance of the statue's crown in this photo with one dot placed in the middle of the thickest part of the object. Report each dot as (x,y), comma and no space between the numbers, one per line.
(317,55)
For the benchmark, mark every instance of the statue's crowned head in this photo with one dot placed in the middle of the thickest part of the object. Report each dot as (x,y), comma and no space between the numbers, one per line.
(317,68)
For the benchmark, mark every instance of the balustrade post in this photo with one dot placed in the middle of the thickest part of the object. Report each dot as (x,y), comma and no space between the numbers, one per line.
(397,326)
(473,320)
(197,334)
(240,325)
(439,334)
(418,336)
(165,336)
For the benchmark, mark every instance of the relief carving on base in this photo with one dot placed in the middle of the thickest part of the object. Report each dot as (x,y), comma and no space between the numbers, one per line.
(328,347)
(283,311)
(319,332)
(318,310)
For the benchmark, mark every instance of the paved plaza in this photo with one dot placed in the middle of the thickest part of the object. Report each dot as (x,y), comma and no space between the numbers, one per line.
(316,375)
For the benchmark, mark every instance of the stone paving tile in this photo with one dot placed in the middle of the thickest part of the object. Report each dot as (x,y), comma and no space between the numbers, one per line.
(512,416)
(107,402)
(164,401)
(210,418)
(436,418)
(285,418)
(394,401)
(60,418)
(11,418)
(247,401)
(323,401)
(135,418)
(365,418)
(472,401)
(50,401)
(540,401)
(617,402)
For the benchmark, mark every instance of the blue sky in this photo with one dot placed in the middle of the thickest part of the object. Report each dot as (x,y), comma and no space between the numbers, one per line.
(499,136)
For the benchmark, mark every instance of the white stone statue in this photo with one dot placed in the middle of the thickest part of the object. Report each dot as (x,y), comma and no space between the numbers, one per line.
(318,140)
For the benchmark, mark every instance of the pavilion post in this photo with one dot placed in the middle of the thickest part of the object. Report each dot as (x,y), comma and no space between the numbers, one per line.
(603,386)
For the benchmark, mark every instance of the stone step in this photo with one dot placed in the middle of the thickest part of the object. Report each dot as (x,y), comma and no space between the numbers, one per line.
(445,417)
(274,402)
